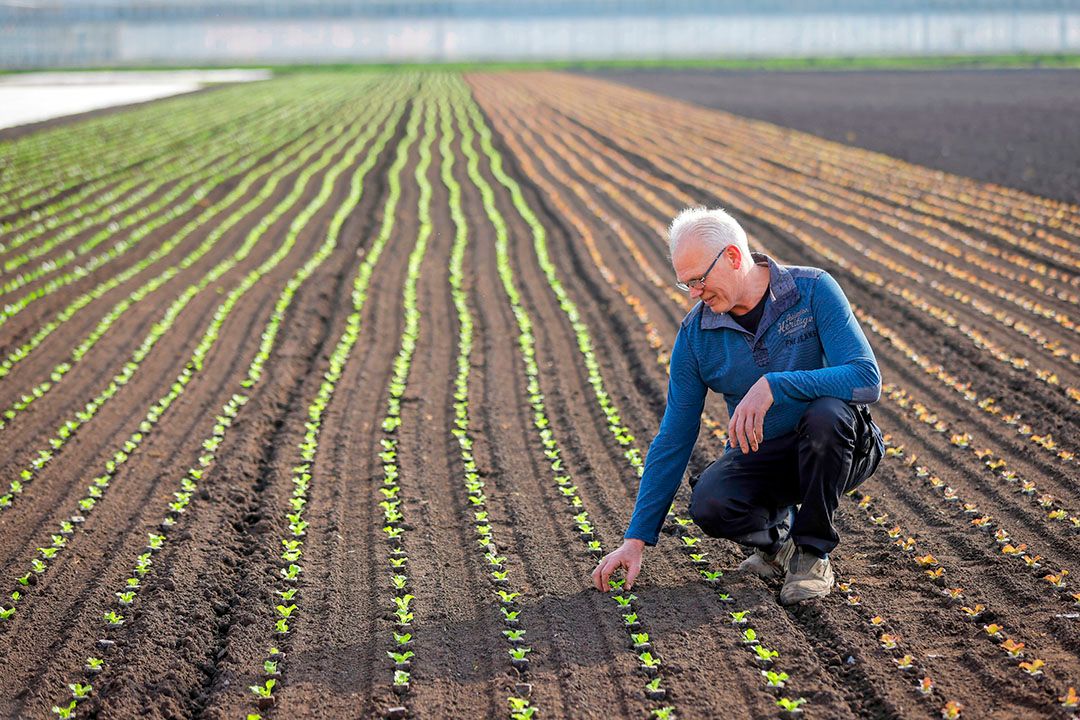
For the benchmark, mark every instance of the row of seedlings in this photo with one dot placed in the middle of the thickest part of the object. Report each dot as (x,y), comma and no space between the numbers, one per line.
(391,504)
(193,366)
(997,466)
(70,427)
(506,596)
(890,643)
(180,198)
(118,196)
(627,604)
(765,657)
(934,572)
(726,188)
(987,404)
(714,177)
(189,484)
(287,609)
(198,120)
(284,166)
(277,138)
(998,538)
(163,129)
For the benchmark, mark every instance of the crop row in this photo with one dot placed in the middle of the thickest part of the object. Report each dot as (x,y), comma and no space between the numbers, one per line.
(508,596)
(201,471)
(244,144)
(933,571)
(194,364)
(70,427)
(285,167)
(106,148)
(765,657)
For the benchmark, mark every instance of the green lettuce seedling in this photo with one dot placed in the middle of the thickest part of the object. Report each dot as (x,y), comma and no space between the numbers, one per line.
(265,689)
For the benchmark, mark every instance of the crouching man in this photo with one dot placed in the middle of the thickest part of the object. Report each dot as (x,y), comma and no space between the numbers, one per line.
(782,345)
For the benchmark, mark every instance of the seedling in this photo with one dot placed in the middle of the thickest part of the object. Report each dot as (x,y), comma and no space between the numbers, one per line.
(1057,580)
(270,667)
(653,691)
(114,619)
(265,689)
(510,616)
(80,691)
(401,659)
(993,630)
(7,613)
(973,612)
(281,626)
(793,707)
(286,612)
(905,663)
(649,660)
(517,657)
(952,710)
(664,713)
(65,711)
(507,598)
(631,620)
(624,601)
(1034,667)
(711,577)
(514,636)
(402,639)
(739,618)
(1015,649)
(94,664)
(888,641)
(764,656)
(1070,699)
(926,686)
(775,679)
(126,598)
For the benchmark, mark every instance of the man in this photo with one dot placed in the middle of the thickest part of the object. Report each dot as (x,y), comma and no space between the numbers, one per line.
(784,348)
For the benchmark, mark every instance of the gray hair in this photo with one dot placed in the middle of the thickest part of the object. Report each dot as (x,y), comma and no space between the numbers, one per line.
(715,228)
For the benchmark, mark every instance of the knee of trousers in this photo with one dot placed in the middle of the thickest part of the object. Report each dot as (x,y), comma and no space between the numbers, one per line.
(725,516)
(826,422)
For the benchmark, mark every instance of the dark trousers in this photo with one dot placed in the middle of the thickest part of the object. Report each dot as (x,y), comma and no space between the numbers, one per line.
(750,498)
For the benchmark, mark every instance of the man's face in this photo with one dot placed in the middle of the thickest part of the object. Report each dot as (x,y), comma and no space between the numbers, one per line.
(691,260)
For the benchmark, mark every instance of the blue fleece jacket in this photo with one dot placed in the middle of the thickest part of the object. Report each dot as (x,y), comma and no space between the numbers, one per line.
(808,345)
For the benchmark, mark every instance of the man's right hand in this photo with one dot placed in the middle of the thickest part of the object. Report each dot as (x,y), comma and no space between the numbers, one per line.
(628,556)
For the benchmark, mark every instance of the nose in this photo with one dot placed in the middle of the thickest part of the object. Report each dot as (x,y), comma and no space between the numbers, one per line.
(695,292)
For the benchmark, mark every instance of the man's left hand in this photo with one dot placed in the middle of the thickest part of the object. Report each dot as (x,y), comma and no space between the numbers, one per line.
(747,425)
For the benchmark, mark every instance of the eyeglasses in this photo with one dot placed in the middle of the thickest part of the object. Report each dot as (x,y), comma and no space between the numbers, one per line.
(699,283)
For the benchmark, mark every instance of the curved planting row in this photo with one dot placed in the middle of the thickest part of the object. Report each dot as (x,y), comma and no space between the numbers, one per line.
(508,593)
(533,151)
(166,126)
(387,116)
(283,164)
(275,662)
(627,604)
(193,366)
(231,151)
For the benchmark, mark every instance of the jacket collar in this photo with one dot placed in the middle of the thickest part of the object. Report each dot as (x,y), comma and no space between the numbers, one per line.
(783,294)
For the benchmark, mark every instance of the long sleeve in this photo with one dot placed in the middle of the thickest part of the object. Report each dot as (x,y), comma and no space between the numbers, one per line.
(670,450)
(851,371)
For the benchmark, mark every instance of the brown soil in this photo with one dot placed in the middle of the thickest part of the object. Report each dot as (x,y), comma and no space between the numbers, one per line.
(602,182)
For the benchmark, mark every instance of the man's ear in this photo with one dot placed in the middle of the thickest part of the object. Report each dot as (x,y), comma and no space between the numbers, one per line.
(735,255)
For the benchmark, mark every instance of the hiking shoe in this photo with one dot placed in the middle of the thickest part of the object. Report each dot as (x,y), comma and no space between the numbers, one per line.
(808,577)
(768,566)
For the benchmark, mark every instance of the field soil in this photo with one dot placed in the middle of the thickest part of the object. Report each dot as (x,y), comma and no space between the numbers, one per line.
(972,322)
(1010,127)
